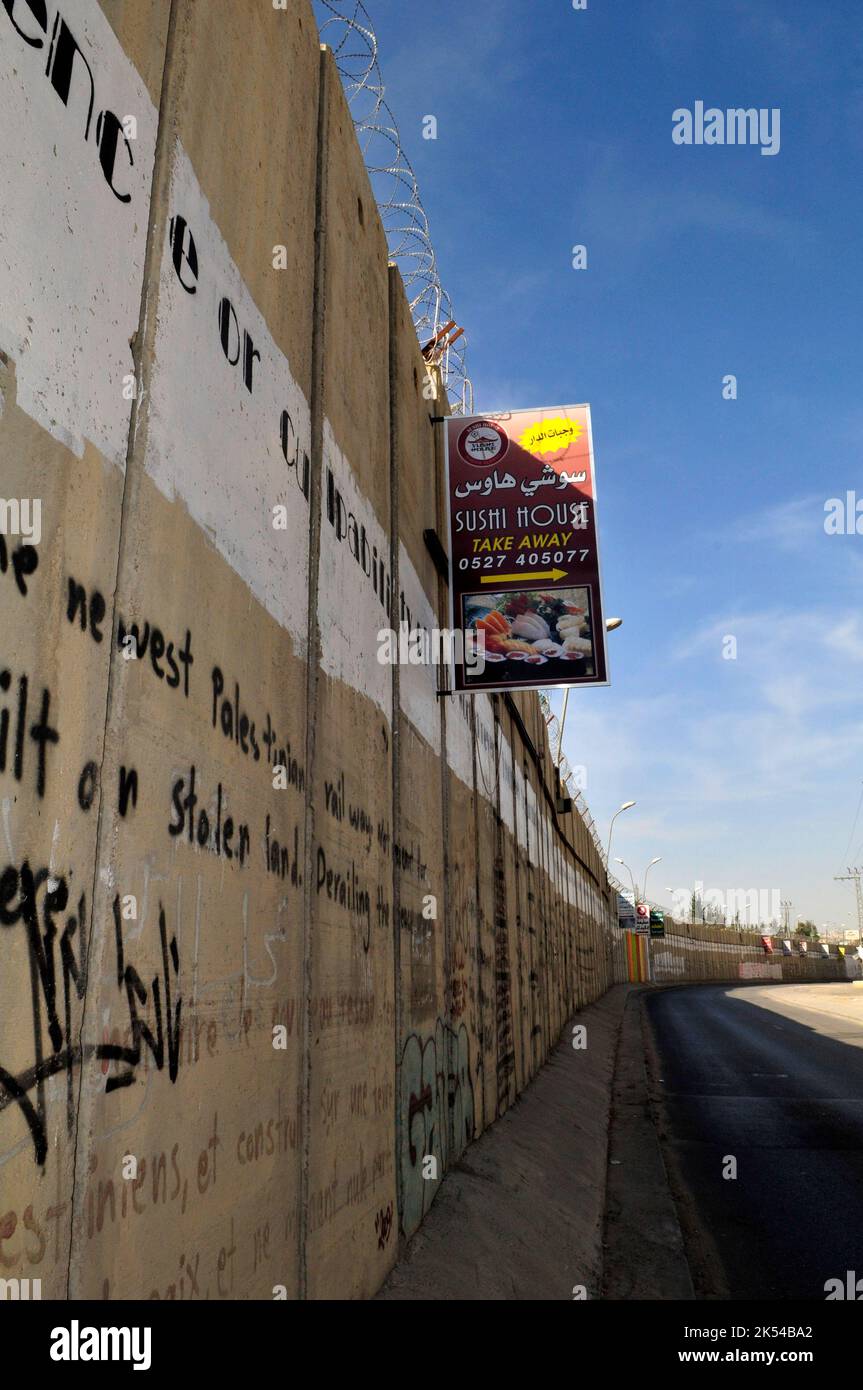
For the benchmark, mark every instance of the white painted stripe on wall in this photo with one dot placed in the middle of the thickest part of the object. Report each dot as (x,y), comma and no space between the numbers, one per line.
(532,826)
(486,772)
(71,254)
(418,684)
(459,742)
(350,613)
(505,777)
(520,817)
(211,442)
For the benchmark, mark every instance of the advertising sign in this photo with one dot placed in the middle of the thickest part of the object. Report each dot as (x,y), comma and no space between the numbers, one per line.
(523,550)
(642,919)
(625,912)
(657,924)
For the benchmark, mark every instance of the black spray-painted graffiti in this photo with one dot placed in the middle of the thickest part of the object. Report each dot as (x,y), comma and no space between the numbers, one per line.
(384,1225)
(236,344)
(436,1113)
(18,738)
(506,1091)
(24,561)
(35,899)
(69,72)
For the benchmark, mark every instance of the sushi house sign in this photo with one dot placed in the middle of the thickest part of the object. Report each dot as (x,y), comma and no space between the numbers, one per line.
(523,548)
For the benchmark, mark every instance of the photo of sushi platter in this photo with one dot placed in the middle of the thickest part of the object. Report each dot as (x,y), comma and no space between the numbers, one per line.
(538,629)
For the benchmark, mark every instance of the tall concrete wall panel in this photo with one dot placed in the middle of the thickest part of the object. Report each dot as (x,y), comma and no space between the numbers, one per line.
(467,1118)
(351,1162)
(72,269)
(424,1024)
(196,950)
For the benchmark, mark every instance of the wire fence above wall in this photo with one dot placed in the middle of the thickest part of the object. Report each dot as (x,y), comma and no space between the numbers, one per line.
(345,25)
(569,780)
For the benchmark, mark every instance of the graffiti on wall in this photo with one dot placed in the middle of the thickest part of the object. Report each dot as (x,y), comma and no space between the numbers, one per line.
(503,988)
(33,900)
(436,1113)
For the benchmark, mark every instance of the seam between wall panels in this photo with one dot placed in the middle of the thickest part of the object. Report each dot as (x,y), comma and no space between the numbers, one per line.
(316,404)
(393,284)
(480,1012)
(443,608)
(141,354)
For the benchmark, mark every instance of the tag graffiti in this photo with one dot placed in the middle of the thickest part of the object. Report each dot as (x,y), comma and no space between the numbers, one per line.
(58,956)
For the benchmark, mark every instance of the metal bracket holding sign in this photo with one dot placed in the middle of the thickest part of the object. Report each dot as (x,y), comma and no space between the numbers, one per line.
(523,547)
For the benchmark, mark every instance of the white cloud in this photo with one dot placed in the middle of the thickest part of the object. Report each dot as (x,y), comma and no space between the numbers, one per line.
(847,638)
(739,768)
(790,525)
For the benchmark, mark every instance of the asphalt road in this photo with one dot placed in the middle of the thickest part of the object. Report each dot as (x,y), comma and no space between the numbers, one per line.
(771,1076)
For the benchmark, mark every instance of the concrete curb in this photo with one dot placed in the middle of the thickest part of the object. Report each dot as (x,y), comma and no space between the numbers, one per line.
(645,1256)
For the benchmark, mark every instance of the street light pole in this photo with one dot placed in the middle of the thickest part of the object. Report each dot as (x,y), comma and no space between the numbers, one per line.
(625,807)
(631,879)
(611,624)
(561,724)
(657,860)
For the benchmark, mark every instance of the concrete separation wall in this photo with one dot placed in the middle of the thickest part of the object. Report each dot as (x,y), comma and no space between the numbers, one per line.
(284,932)
(695,952)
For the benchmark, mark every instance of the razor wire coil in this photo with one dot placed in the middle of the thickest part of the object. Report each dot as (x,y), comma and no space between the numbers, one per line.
(345,25)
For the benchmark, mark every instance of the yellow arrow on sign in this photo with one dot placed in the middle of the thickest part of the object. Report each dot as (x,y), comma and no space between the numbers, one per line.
(506,578)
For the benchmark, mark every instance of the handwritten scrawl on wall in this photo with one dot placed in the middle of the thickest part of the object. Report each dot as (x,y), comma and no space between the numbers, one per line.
(57,955)
(42,903)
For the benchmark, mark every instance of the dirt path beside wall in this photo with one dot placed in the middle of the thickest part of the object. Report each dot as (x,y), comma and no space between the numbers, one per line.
(522,1217)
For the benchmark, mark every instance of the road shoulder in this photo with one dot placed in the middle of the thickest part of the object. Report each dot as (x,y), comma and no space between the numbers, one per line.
(644,1250)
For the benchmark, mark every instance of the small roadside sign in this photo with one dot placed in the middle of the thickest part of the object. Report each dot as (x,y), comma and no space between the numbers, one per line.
(625,913)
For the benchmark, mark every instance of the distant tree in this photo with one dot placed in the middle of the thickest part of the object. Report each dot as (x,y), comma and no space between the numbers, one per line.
(807,930)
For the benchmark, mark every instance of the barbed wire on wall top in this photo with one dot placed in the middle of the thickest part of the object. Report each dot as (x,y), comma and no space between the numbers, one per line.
(567,777)
(345,25)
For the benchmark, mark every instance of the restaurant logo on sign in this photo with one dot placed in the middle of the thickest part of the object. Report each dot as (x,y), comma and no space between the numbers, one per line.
(523,548)
(482,443)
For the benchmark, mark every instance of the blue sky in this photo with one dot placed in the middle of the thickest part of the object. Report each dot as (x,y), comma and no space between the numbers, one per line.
(554,128)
